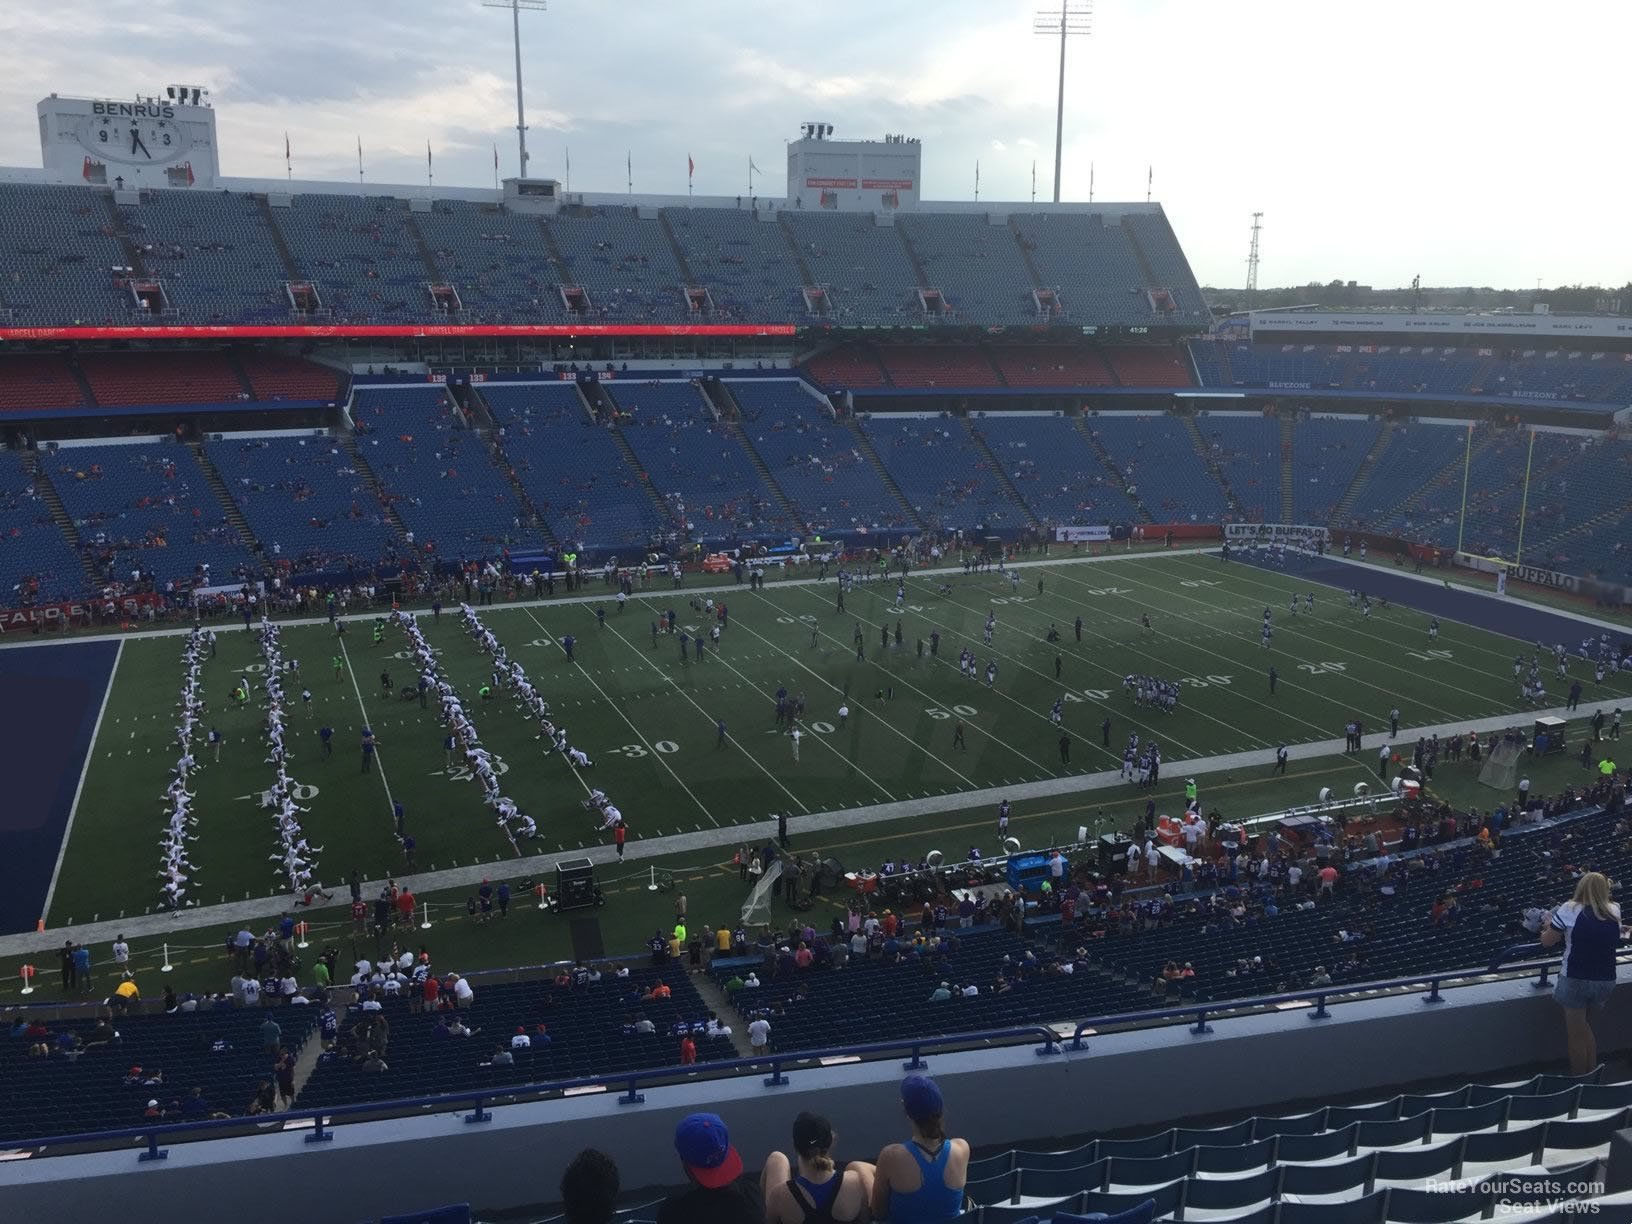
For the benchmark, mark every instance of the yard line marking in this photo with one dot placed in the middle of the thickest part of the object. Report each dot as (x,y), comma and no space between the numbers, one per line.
(379,764)
(1247,569)
(1011,700)
(73,809)
(1369,659)
(894,730)
(820,740)
(1021,663)
(1186,708)
(730,739)
(659,757)
(1359,631)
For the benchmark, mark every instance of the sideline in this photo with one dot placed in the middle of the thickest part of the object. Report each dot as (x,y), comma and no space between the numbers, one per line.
(84,772)
(300,622)
(730,836)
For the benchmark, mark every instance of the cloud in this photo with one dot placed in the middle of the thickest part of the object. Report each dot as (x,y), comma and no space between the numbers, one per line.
(1369,183)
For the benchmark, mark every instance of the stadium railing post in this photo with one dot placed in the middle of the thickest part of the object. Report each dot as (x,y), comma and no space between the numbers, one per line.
(1320,1012)
(478,1114)
(917,1063)
(154,1151)
(319,1134)
(632,1097)
(1433,995)
(776,1078)
(1201,1028)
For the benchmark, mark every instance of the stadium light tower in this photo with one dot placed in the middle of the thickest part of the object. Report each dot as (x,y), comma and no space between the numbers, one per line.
(1252,258)
(1072,19)
(515,7)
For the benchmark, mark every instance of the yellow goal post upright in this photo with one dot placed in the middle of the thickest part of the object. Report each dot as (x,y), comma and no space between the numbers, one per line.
(1499,563)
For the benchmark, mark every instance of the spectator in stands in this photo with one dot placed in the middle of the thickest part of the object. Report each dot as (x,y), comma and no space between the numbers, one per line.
(501,1058)
(922,1179)
(463,995)
(589,1188)
(717,1192)
(1589,925)
(818,1189)
(285,1073)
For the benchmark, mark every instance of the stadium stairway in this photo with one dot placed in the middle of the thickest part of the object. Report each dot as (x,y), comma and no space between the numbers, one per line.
(1025,258)
(1287,487)
(557,263)
(1591,525)
(720,400)
(273,233)
(436,275)
(809,278)
(865,445)
(1002,476)
(60,516)
(1206,454)
(477,407)
(83,383)
(1450,473)
(116,227)
(912,258)
(241,374)
(732,420)
(218,486)
(680,259)
(1340,512)
(1084,424)
(375,487)
(1145,270)
(642,475)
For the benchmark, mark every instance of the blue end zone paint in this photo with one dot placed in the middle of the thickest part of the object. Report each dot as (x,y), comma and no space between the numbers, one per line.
(50,696)
(1515,618)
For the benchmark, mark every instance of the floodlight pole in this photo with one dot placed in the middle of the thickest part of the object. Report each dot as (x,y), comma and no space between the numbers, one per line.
(515,7)
(1073,19)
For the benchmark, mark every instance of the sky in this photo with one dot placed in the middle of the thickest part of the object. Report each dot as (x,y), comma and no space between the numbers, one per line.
(1468,143)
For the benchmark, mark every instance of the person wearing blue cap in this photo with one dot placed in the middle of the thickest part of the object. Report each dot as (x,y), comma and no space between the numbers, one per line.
(717,1192)
(922,1180)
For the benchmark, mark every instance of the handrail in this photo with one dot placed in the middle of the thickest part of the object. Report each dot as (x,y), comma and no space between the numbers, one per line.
(1054,1042)
(1319,995)
(448,1102)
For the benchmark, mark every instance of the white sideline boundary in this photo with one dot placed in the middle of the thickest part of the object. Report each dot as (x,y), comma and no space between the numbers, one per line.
(84,772)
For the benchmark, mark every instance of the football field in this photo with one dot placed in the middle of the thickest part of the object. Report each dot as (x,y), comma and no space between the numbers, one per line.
(648,719)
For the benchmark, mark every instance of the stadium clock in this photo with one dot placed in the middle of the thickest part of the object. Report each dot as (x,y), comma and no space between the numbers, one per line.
(141,141)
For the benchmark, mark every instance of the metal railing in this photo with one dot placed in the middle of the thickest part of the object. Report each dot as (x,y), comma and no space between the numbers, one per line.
(1054,1043)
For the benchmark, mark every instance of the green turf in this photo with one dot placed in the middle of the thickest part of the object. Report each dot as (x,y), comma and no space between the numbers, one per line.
(648,720)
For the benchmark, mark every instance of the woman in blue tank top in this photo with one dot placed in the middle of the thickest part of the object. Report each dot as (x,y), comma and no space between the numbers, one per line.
(816,1190)
(921,1180)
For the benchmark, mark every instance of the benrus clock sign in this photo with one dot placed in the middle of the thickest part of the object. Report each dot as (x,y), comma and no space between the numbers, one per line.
(121,139)
(142,143)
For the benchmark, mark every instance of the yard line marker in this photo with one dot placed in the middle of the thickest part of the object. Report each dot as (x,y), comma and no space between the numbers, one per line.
(656,755)
(379,764)
(79,788)
(709,718)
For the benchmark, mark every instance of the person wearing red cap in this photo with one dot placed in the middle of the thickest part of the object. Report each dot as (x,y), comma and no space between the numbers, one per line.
(717,1192)
(921,1180)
